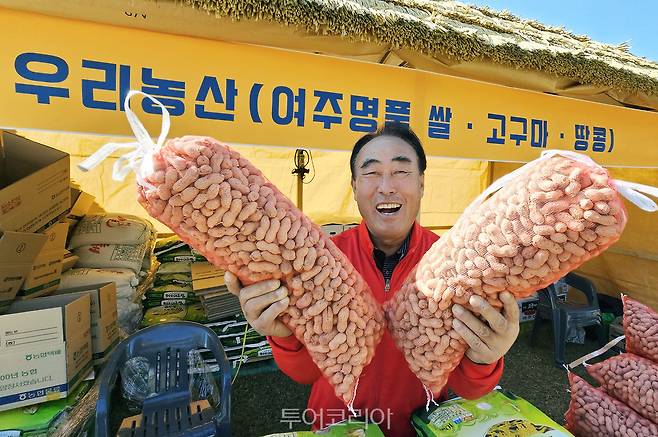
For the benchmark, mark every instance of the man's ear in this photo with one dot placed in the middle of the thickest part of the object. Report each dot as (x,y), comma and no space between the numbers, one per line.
(422,185)
(353,184)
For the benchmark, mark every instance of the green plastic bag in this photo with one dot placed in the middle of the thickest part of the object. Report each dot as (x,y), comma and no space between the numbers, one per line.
(190,313)
(181,254)
(496,414)
(606,320)
(182,278)
(168,303)
(252,336)
(174,267)
(171,291)
(41,419)
(167,244)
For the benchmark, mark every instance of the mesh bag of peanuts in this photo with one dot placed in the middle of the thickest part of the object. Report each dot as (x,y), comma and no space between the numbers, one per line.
(552,215)
(544,220)
(592,412)
(630,379)
(627,399)
(641,329)
(224,207)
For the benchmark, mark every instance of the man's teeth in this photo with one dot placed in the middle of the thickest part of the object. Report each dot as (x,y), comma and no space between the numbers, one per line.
(388,206)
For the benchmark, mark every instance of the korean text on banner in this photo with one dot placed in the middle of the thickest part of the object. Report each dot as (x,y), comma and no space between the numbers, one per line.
(73,76)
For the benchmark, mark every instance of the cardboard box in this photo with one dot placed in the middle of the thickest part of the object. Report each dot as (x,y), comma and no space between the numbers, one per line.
(38,185)
(206,276)
(104,328)
(44,276)
(45,349)
(47,267)
(81,203)
(528,306)
(17,253)
(350,226)
(96,209)
(68,261)
(332,229)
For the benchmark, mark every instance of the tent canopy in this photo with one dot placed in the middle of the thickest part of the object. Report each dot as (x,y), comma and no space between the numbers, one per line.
(439,36)
(447,37)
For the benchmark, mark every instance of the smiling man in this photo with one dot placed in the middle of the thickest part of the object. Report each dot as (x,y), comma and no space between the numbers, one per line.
(388,181)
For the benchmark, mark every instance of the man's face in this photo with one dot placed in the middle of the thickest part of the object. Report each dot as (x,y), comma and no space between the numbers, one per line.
(388,186)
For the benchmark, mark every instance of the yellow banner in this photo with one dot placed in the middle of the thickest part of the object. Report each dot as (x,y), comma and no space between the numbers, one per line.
(66,75)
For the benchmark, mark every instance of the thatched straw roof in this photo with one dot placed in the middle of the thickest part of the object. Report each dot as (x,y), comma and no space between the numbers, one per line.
(442,36)
(453,32)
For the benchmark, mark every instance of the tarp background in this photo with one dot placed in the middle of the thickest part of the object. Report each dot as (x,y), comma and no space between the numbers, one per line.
(444,37)
(450,184)
(629,266)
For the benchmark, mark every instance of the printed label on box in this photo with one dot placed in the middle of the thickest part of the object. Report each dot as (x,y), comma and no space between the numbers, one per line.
(49,393)
(18,331)
(32,372)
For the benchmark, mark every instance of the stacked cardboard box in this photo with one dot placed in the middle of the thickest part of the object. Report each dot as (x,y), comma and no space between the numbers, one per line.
(44,277)
(17,253)
(46,349)
(34,195)
(103,310)
(37,191)
(47,344)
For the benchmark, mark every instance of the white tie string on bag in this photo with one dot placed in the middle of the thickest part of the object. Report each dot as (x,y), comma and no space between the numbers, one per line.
(140,160)
(583,360)
(633,192)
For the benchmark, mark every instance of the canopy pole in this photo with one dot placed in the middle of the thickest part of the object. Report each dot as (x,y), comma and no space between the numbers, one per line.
(302,158)
(300,192)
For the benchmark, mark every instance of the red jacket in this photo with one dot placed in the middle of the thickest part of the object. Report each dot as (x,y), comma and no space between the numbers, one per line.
(388,392)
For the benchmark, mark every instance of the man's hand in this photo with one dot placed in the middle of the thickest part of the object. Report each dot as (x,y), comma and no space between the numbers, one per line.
(261,304)
(488,341)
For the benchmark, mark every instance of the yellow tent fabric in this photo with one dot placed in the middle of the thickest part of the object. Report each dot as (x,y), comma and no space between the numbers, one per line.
(450,184)
(448,38)
(631,265)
